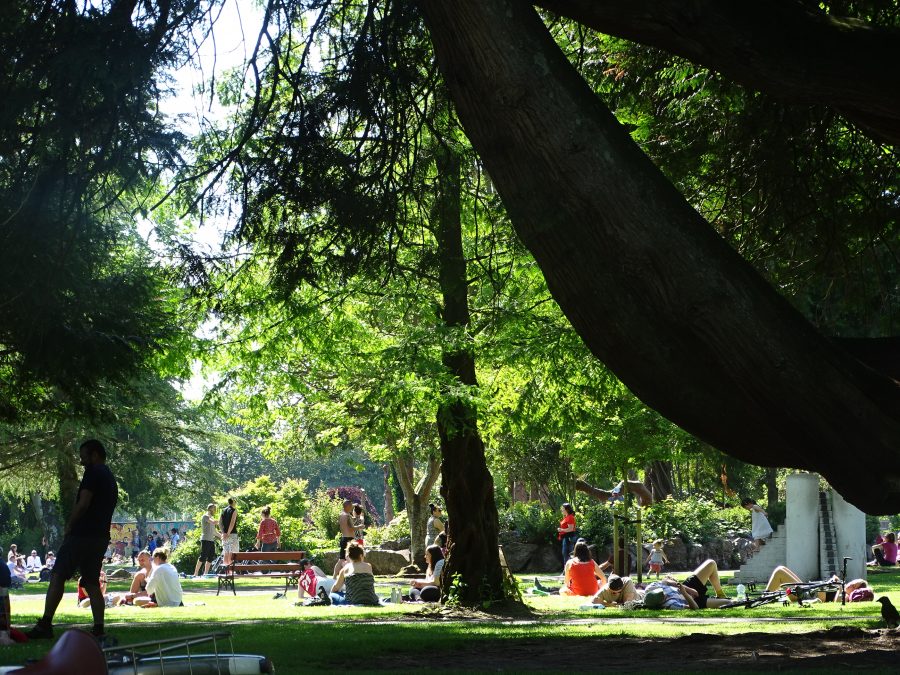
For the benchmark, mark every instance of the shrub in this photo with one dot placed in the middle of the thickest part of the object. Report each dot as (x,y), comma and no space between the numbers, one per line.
(398,528)
(535,522)
(693,519)
(595,523)
(325,513)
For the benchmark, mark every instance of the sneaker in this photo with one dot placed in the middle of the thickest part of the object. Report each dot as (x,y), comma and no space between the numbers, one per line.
(40,632)
(323,595)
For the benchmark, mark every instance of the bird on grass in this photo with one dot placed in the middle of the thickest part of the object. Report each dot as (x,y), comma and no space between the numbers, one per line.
(889,612)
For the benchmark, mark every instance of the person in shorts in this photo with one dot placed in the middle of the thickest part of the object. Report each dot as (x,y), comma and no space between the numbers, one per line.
(229,524)
(208,532)
(348,534)
(707,572)
(86,537)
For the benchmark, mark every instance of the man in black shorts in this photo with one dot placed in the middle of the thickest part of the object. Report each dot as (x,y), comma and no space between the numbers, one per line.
(208,532)
(85,541)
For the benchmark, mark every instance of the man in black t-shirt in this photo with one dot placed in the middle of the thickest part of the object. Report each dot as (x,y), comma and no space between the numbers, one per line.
(85,541)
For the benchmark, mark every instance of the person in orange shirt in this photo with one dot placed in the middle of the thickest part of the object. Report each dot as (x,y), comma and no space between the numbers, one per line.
(566,531)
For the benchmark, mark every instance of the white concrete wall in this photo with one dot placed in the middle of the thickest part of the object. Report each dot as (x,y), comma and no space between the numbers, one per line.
(802,522)
(850,530)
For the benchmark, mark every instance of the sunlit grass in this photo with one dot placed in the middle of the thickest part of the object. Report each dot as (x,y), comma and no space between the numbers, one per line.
(309,638)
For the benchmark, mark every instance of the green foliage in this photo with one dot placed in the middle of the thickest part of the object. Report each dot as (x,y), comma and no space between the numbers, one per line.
(325,513)
(595,523)
(694,520)
(534,522)
(398,528)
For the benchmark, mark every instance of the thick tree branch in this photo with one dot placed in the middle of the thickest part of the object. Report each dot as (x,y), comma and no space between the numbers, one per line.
(655,293)
(775,46)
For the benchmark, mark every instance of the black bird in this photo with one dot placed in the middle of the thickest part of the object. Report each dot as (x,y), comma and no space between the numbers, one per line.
(889,612)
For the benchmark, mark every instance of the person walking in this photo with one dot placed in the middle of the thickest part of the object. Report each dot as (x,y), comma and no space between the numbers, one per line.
(85,539)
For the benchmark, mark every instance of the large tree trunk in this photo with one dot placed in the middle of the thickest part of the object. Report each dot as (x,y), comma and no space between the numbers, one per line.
(777,46)
(472,570)
(655,293)
(659,479)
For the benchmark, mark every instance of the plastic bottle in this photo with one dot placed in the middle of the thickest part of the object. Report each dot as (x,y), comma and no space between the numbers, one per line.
(741,592)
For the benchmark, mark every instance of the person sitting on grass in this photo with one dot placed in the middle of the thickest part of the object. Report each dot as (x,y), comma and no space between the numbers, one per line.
(885,551)
(84,600)
(782,575)
(313,582)
(617,591)
(355,583)
(137,594)
(583,576)
(47,569)
(163,584)
(428,589)
(33,563)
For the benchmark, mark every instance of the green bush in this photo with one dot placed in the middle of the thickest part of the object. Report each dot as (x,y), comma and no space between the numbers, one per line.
(693,519)
(595,523)
(184,558)
(536,523)
(398,528)
(325,514)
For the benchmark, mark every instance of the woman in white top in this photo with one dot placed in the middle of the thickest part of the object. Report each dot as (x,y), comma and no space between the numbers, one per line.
(427,589)
(33,564)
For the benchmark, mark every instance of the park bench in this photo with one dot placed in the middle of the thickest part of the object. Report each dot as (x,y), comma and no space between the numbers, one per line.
(262,565)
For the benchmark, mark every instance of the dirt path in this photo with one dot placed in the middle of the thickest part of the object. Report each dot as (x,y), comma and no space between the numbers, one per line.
(838,649)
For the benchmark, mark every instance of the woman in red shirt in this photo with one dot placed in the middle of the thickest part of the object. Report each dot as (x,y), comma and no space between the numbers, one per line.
(269,533)
(566,531)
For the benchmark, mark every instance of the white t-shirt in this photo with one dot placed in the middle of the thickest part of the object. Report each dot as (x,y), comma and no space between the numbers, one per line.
(33,562)
(164,583)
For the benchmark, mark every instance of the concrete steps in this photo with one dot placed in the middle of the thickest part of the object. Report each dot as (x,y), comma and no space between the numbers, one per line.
(760,566)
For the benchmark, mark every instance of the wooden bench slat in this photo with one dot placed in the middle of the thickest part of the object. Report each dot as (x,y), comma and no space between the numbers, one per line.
(244,564)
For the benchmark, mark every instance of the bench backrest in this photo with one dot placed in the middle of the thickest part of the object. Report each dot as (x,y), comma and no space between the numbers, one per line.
(284,556)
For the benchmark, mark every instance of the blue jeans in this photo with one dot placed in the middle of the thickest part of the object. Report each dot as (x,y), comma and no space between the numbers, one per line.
(568,543)
(338,598)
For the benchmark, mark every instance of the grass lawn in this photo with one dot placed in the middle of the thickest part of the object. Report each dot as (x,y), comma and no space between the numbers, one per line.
(302,639)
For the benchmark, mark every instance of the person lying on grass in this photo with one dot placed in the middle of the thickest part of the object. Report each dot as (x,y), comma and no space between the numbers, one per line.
(668,593)
(313,581)
(583,576)
(782,575)
(355,583)
(617,591)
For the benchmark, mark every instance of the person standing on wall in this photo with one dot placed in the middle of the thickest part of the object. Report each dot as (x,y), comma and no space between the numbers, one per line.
(86,537)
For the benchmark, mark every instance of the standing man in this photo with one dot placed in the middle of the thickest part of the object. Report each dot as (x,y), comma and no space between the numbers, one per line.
(229,523)
(208,532)
(85,539)
(348,534)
